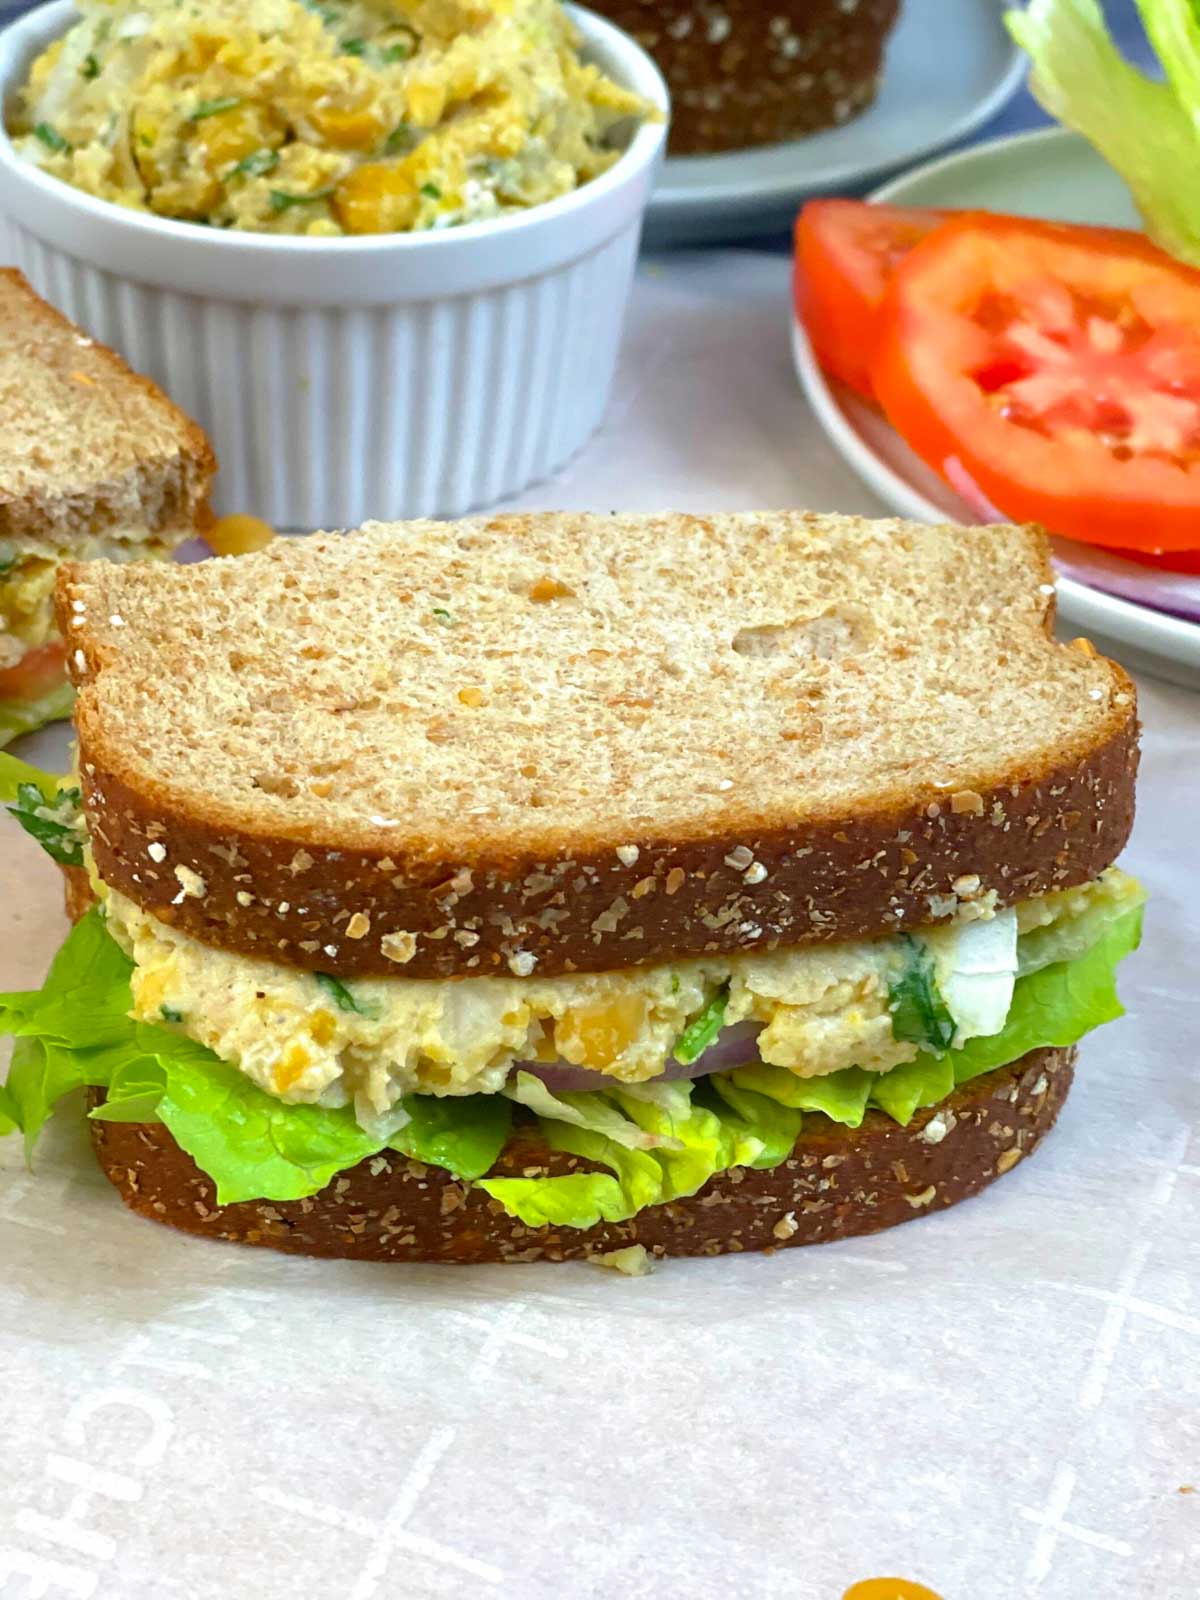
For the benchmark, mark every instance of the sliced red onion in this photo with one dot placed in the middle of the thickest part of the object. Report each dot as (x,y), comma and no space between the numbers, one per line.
(734,1047)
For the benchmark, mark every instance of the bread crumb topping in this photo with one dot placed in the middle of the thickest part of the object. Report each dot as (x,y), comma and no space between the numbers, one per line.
(191,885)
(787,1226)
(966,802)
(399,946)
(938,1126)
(632,1260)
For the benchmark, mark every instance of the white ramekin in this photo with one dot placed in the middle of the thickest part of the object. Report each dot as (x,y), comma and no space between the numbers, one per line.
(396,375)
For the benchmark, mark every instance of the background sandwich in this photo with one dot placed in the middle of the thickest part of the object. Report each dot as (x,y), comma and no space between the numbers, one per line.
(545,886)
(94,461)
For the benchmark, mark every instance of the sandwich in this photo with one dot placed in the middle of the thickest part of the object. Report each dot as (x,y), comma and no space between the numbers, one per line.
(94,462)
(565,885)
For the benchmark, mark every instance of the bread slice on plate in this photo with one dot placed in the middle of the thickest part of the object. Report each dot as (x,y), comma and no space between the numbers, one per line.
(95,461)
(546,886)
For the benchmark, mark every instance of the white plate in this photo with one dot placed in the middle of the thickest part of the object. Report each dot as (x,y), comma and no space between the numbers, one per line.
(1053,174)
(929,98)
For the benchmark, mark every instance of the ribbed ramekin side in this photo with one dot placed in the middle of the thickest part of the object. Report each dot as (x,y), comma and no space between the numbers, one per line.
(327,416)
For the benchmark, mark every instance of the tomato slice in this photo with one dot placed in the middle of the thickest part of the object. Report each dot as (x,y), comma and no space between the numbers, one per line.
(1055,368)
(846,250)
(36,674)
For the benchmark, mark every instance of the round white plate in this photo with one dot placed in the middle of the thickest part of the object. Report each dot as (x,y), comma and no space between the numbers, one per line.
(929,98)
(1052,174)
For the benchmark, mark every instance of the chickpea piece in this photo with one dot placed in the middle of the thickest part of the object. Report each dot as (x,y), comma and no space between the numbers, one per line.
(348,128)
(426,102)
(238,534)
(201,50)
(229,136)
(376,198)
(144,134)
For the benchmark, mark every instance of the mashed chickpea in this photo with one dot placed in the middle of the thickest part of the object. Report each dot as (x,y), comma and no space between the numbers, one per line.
(321,116)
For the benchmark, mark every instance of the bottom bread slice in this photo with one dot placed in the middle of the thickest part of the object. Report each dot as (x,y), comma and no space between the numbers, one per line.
(837,1182)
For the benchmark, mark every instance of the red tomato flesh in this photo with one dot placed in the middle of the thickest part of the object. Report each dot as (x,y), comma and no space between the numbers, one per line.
(36,674)
(1058,369)
(846,250)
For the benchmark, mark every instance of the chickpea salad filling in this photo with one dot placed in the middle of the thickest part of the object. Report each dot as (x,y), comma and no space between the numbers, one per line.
(275,1079)
(812,1010)
(322,117)
(27,586)
(33,685)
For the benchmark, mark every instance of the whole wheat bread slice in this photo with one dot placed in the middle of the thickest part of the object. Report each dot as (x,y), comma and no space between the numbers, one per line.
(837,1182)
(87,447)
(578,742)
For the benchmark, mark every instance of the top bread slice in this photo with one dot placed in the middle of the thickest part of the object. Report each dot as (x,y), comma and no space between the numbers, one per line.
(571,742)
(87,447)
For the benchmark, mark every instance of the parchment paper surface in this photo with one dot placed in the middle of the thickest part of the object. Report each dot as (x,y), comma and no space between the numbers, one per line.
(1000,1401)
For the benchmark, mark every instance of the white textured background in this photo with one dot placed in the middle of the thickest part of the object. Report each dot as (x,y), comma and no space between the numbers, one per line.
(1000,1401)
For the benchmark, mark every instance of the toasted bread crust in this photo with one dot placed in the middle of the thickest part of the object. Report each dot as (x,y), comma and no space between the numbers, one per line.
(754,74)
(78,898)
(839,1182)
(852,833)
(180,472)
(1021,834)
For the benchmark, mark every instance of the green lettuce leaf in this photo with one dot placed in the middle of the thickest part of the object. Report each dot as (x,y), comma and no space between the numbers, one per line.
(36,1083)
(922,1082)
(8,1111)
(658,1142)
(464,1135)
(583,1110)
(1145,130)
(696,1142)
(774,1125)
(85,999)
(1057,1005)
(581,1199)
(55,826)
(19,717)
(75,1032)
(46,807)
(1109,898)
(697,1139)
(841,1096)
(15,774)
(253,1146)
(1053,1006)
(134,1092)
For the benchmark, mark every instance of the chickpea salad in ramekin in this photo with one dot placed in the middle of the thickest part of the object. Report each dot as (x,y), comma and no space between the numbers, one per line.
(321,117)
(380,249)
